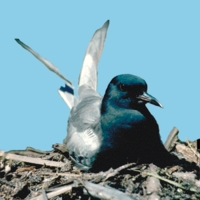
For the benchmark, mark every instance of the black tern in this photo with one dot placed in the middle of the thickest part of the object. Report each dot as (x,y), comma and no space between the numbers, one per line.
(112,130)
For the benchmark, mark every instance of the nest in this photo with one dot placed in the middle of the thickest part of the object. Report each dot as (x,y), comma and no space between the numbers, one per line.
(34,174)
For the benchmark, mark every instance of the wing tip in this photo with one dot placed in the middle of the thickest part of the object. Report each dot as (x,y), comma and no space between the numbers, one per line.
(67,88)
(106,24)
(18,41)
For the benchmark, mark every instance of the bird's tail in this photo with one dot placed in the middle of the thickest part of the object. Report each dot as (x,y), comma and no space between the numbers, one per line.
(67,92)
(88,74)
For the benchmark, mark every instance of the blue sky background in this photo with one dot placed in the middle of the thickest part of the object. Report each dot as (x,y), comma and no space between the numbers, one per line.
(156,40)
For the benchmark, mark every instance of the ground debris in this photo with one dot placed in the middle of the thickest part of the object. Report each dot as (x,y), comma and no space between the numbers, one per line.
(36,175)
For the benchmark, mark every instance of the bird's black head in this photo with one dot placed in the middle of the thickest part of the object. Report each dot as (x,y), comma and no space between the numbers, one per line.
(128,91)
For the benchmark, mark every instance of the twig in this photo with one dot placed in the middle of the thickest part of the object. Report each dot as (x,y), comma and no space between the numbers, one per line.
(29,151)
(104,175)
(44,195)
(116,171)
(36,150)
(197,155)
(55,193)
(153,186)
(37,161)
(167,180)
(25,153)
(171,139)
(106,193)
(62,174)
(187,153)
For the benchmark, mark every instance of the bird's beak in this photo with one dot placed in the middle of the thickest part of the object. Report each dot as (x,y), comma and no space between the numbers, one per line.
(145,97)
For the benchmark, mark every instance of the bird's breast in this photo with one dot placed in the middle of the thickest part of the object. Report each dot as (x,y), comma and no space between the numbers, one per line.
(127,128)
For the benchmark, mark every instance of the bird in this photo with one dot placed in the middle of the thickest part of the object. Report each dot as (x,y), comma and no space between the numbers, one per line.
(108,131)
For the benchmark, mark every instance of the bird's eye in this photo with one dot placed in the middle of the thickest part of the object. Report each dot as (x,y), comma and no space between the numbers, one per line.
(122,87)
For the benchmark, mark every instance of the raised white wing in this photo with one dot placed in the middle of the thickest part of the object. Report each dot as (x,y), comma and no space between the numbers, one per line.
(88,75)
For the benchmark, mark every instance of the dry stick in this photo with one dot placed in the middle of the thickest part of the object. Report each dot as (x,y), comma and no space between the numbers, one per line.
(106,193)
(25,153)
(94,190)
(29,151)
(36,150)
(37,161)
(186,152)
(172,138)
(197,155)
(116,171)
(61,174)
(168,181)
(152,184)
(59,191)
(104,175)
(44,195)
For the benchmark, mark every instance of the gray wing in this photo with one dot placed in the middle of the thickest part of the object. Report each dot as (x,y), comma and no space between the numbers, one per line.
(84,129)
(88,75)
(68,93)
